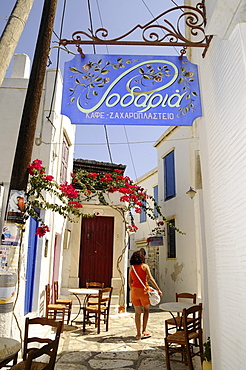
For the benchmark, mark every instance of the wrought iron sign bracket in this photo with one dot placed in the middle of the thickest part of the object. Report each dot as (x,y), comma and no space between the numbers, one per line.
(188,32)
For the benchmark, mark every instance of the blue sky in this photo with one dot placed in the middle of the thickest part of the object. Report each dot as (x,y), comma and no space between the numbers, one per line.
(118,17)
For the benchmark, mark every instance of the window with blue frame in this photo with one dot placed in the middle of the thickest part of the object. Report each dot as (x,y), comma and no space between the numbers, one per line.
(169,176)
(155,189)
(143,213)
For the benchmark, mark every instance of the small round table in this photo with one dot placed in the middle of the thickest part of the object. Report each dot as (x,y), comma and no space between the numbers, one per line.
(82,292)
(9,349)
(176,307)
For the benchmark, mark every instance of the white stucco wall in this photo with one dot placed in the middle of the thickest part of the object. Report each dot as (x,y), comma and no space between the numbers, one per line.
(148,181)
(47,148)
(223,157)
(138,240)
(180,274)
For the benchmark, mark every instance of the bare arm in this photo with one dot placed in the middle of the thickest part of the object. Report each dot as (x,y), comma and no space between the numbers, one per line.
(130,279)
(151,279)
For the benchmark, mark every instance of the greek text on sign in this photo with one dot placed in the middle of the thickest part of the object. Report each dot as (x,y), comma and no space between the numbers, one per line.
(131,90)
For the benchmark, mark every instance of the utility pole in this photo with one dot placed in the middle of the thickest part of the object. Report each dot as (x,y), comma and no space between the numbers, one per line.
(12,32)
(28,123)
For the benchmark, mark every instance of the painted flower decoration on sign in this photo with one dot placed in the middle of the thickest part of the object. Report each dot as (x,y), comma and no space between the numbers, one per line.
(186,78)
(131,90)
(91,78)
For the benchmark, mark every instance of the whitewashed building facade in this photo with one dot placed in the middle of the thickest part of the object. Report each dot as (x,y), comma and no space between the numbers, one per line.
(54,141)
(222,202)
(176,263)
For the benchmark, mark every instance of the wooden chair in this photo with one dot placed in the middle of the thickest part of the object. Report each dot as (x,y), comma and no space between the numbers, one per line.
(101,307)
(53,311)
(176,322)
(65,302)
(31,344)
(184,341)
(93,298)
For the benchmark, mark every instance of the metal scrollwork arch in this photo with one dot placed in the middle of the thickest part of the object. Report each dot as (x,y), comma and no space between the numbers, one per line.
(188,32)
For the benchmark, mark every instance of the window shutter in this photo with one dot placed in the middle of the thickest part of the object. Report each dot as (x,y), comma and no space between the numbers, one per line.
(169,176)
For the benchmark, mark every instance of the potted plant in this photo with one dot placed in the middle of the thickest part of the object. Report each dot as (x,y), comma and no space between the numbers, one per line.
(207,363)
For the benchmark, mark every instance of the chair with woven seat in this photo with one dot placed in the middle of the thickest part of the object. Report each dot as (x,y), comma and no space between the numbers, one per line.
(98,309)
(53,310)
(32,343)
(92,299)
(66,302)
(187,342)
(175,322)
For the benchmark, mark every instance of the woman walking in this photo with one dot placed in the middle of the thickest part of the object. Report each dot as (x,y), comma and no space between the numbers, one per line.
(139,294)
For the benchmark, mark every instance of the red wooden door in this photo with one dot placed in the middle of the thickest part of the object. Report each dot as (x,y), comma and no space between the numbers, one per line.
(96,250)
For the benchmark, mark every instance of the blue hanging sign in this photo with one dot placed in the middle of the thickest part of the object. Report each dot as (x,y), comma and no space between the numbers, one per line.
(131,90)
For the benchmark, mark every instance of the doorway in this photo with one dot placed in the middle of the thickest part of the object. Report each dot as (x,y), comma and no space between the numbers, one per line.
(96,250)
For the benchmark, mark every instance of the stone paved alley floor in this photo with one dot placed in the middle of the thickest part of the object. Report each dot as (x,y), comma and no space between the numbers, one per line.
(117,348)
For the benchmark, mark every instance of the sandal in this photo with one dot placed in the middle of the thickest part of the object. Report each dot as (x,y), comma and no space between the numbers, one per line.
(146,335)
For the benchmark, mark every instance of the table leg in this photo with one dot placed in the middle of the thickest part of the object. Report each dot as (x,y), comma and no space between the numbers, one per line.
(174,318)
(80,308)
(13,358)
(81,305)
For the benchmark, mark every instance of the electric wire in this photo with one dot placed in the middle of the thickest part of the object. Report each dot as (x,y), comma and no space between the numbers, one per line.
(100,16)
(94,49)
(91,24)
(134,169)
(176,4)
(177,51)
(57,62)
(109,151)
(130,142)
(129,148)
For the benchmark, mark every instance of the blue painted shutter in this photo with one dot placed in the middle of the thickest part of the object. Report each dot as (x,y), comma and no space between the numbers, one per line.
(31,265)
(143,214)
(169,176)
(156,199)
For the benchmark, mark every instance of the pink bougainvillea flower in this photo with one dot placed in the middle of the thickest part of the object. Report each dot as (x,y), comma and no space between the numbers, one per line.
(133,228)
(36,165)
(87,193)
(120,177)
(141,194)
(48,177)
(160,223)
(68,190)
(134,198)
(124,190)
(112,190)
(106,179)
(125,198)
(42,230)
(138,210)
(93,175)
(117,170)
(75,204)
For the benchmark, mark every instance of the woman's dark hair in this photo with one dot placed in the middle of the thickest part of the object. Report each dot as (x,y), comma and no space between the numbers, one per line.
(137,258)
